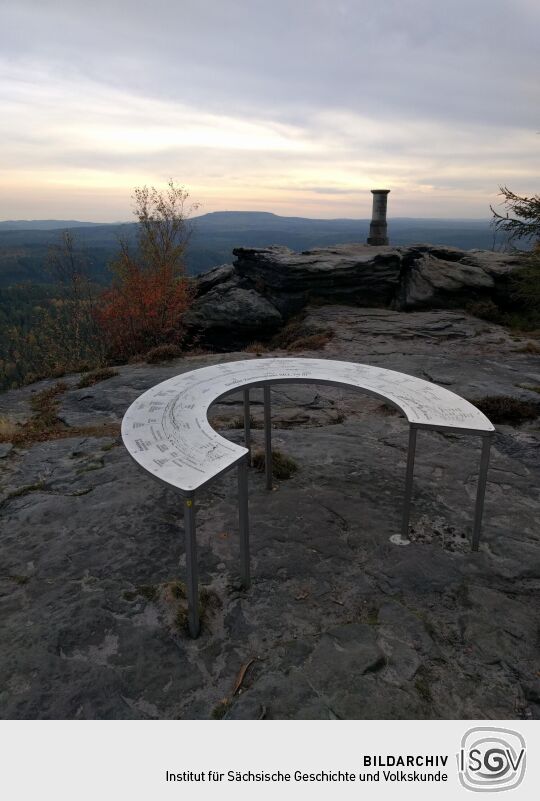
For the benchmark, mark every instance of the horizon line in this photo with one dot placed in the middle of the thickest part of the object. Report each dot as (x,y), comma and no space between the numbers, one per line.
(245,211)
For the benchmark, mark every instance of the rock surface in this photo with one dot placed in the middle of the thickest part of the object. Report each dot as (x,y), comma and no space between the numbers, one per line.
(341,620)
(232,314)
(252,298)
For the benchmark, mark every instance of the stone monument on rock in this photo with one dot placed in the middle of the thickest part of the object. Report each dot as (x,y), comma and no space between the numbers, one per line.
(378,233)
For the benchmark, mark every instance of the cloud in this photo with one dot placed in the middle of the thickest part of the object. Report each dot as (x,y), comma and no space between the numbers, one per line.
(250,102)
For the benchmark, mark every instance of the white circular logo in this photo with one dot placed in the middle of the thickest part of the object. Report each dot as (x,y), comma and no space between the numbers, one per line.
(491,759)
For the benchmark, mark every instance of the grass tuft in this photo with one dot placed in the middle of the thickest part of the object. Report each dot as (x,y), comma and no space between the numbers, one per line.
(238,422)
(96,376)
(290,332)
(8,429)
(485,310)
(421,684)
(258,348)
(296,335)
(221,709)
(283,467)
(19,579)
(312,341)
(162,353)
(530,347)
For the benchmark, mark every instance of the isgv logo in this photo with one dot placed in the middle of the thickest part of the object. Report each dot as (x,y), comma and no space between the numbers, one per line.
(491,759)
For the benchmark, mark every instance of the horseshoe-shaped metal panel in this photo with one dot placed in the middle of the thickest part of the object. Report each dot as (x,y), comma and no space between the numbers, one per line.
(166,430)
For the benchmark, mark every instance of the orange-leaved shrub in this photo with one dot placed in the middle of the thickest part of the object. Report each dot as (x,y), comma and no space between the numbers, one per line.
(143,309)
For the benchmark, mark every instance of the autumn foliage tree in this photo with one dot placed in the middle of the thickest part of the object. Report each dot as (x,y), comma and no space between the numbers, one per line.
(150,292)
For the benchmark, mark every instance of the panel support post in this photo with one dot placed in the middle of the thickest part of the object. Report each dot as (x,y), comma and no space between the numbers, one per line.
(481,491)
(247,424)
(243,521)
(192,577)
(408,483)
(267,438)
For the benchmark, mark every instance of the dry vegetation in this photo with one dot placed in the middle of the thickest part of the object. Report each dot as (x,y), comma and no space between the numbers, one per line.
(88,327)
(171,598)
(96,376)
(505,409)
(283,467)
(44,423)
(297,336)
(162,353)
(530,347)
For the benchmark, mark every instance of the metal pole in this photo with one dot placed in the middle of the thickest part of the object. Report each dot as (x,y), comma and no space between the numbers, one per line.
(481,491)
(247,423)
(192,579)
(408,483)
(243,521)
(267,439)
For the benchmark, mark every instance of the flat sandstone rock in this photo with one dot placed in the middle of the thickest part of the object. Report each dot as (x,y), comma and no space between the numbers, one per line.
(340,622)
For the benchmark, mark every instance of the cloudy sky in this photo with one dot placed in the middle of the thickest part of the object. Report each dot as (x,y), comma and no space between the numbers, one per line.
(292,106)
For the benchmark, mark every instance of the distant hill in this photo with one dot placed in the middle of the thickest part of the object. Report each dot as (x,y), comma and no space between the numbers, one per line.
(42,225)
(24,243)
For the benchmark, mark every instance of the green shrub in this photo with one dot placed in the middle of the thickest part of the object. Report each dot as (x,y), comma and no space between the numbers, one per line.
(525,290)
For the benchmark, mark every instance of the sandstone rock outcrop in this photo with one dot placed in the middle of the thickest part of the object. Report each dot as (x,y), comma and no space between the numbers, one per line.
(253,297)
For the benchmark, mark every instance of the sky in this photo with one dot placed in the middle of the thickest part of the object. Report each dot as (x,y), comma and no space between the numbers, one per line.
(298,107)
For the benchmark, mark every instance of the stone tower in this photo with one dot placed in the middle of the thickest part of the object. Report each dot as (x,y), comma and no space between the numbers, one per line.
(378,228)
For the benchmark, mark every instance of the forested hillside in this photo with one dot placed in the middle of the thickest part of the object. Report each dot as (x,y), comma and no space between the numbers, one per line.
(23,251)
(30,290)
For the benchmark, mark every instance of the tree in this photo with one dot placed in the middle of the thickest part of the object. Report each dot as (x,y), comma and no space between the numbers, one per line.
(76,332)
(150,292)
(525,220)
(164,226)
(524,224)
(61,333)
